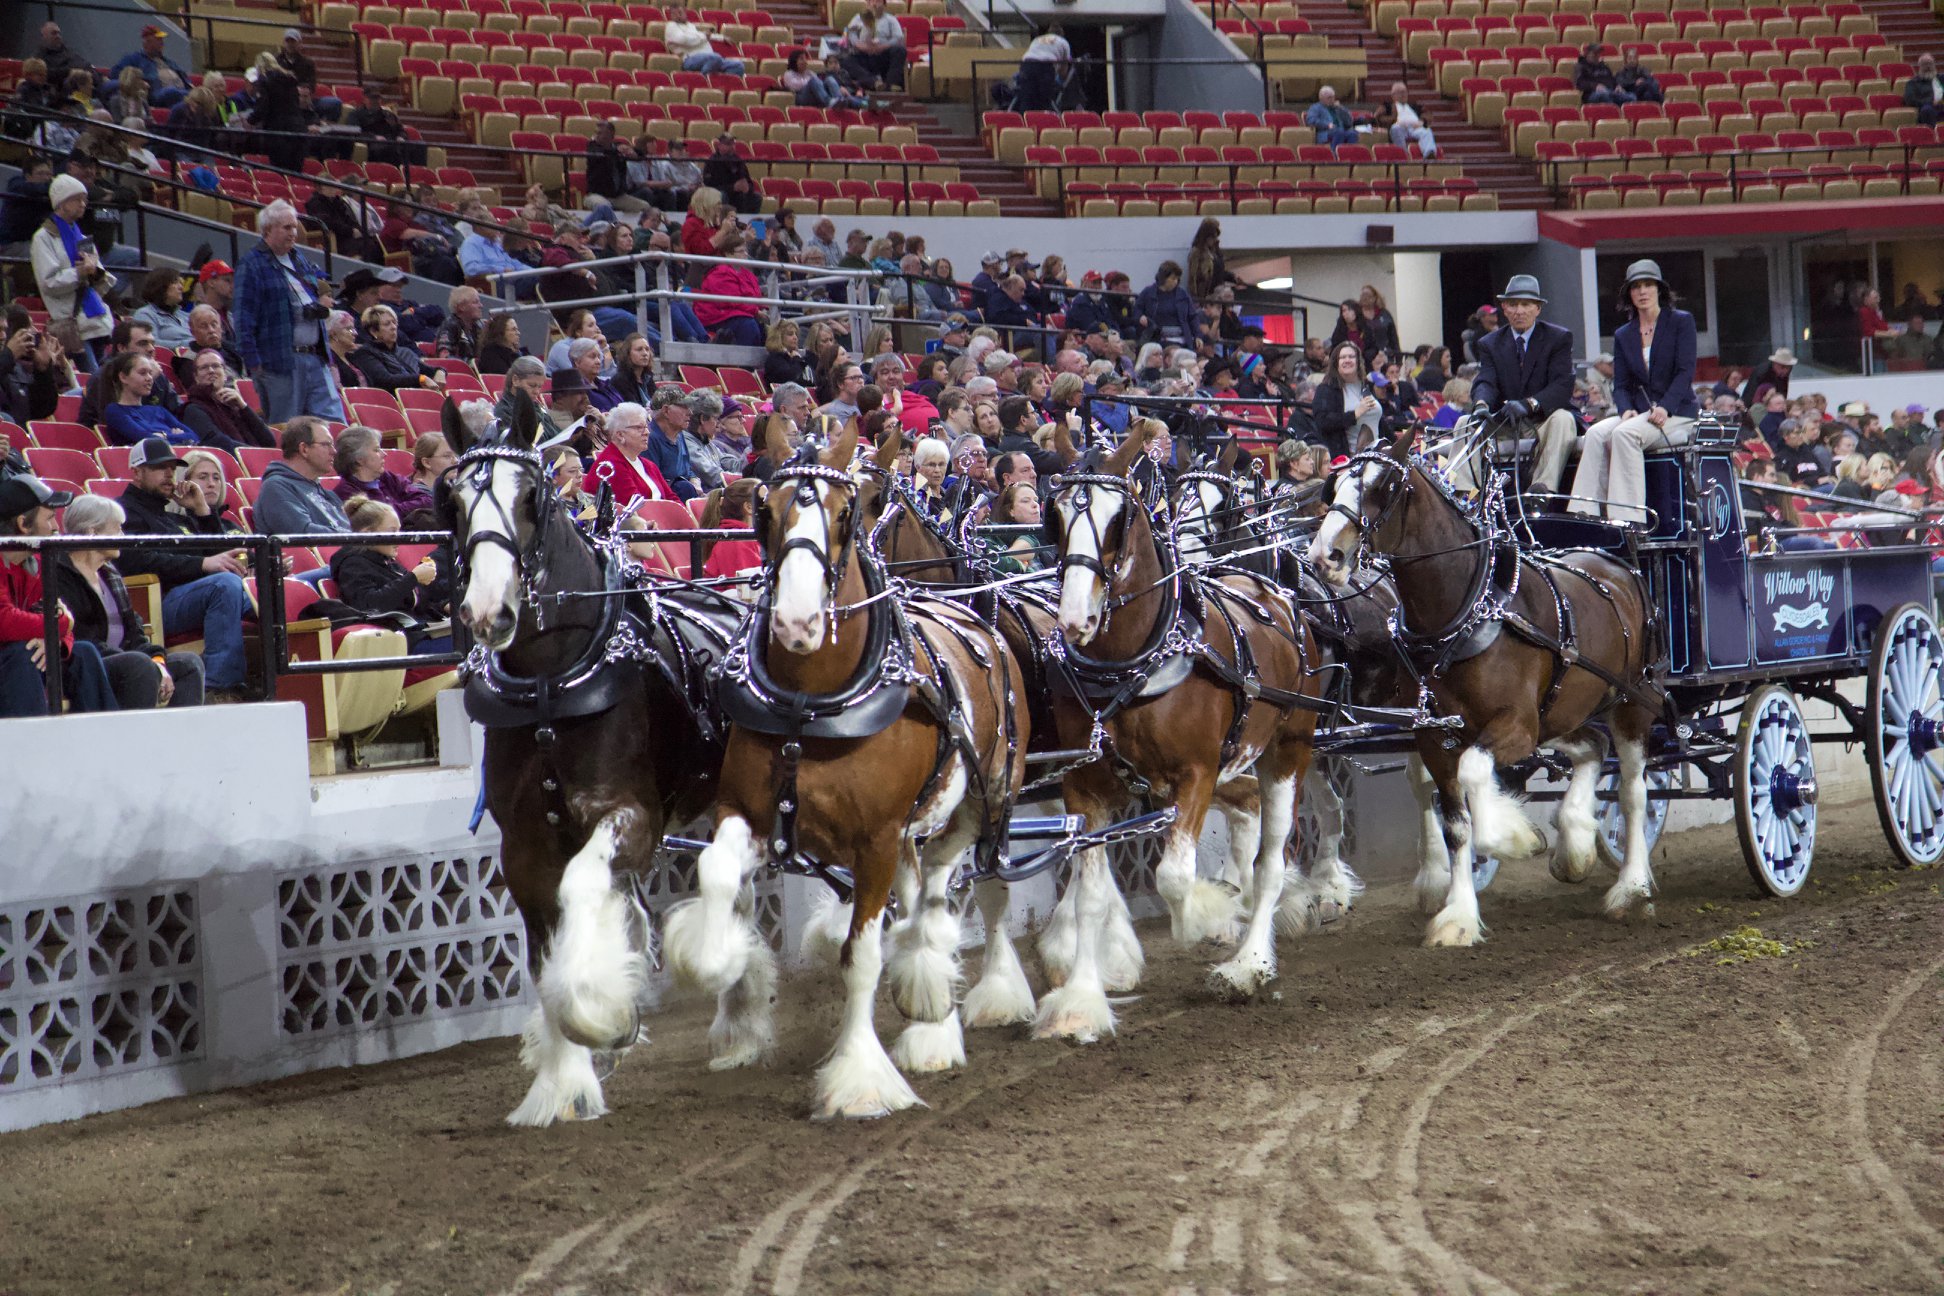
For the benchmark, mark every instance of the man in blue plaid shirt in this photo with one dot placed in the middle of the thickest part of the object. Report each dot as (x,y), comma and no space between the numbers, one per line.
(279,309)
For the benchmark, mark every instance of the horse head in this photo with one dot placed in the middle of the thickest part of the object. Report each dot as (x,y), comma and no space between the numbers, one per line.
(1089,524)
(807,521)
(1205,503)
(495,501)
(1365,496)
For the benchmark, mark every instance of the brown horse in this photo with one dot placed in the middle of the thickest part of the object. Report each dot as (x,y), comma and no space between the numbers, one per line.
(1182,709)
(876,735)
(1515,693)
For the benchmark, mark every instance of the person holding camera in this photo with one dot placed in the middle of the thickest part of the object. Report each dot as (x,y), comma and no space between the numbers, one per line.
(34,371)
(282,300)
(1525,379)
(68,272)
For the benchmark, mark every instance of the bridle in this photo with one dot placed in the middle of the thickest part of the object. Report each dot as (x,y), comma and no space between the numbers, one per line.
(1367,529)
(1081,487)
(803,472)
(529,558)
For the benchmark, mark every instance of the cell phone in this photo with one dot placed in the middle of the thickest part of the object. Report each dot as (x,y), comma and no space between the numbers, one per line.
(1378,380)
(759,227)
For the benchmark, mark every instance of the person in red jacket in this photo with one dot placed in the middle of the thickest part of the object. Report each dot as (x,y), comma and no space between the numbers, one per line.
(623,462)
(731,323)
(27,508)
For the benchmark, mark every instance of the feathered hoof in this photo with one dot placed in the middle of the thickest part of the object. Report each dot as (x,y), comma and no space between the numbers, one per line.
(1211,913)
(926,1047)
(1002,996)
(1074,1013)
(1625,901)
(711,961)
(1240,979)
(1450,930)
(1572,856)
(861,1088)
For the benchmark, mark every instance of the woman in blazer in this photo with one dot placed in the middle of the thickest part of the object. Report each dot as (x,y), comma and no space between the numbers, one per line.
(1653,388)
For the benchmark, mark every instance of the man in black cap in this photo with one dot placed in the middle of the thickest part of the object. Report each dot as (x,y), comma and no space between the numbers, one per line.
(417,322)
(1525,377)
(27,506)
(572,403)
(198,589)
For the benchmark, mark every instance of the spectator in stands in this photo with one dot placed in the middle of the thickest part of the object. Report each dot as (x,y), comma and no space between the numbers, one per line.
(280,112)
(573,282)
(1774,374)
(784,359)
(1350,414)
(823,237)
(216,410)
(728,174)
(587,357)
(814,88)
(1207,267)
(527,374)
(634,369)
(26,205)
(874,48)
(1910,346)
(607,175)
(1008,308)
(463,334)
(291,57)
(1637,80)
(68,272)
(206,334)
(129,335)
(282,300)
(1045,65)
(167,80)
(386,361)
(1653,388)
(1166,312)
(371,579)
(130,97)
(1379,326)
(1404,121)
(216,288)
(196,123)
(163,310)
(32,95)
(198,590)
(1870,323)
(127,417)
(1924,91)
(1350,327)
(416,322)
(385,136)
(690,41)
(1595,80)
(698,439)
(625,462)
(847,380)
(359,461)
(27,508)
(1478,325)
(59,58)
(34,372)
(572,411)
(499,345)
(431,456)
(1330,119)
(292,501)
(483,251)
(141,673)
(1526,375)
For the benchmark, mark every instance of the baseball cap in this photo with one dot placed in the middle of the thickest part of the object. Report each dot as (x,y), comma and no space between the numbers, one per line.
(213,269)
(667,394)
(991,258)
(1092,276)
(152,30)
(953,323)
(1913,409)
(389,274)
(152,452)
(20,494)
(1909,488)
(291,33)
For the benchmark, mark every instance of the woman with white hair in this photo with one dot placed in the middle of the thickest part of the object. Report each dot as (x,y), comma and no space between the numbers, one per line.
(359,461)
(385,359)
(142,673)
(930,462)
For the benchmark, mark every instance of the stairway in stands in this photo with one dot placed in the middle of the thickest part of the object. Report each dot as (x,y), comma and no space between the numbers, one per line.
(1908,24)
(1012,187)
(1482,150)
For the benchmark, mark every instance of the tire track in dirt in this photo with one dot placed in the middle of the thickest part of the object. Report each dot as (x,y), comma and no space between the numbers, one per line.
(1921,1241)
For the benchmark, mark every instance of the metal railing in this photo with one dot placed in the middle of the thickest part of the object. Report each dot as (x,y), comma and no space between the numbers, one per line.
(183,12)
(1736,166)
(1271,298)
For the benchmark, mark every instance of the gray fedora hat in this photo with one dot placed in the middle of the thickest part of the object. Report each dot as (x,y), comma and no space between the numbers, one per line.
(1522,288)
(1643,269)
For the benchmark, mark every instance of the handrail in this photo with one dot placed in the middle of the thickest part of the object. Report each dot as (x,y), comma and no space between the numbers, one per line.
(1261,60)
(1734,158)
(980,79)
(185,14)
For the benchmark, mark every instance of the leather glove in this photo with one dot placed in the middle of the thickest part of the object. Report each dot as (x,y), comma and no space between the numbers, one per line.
(1518,408)
(1480,410)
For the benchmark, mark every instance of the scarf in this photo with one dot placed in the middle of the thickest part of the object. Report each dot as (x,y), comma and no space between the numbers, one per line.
(91,304)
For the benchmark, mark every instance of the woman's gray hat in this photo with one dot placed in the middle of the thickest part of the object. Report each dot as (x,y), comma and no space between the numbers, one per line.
(1643,269)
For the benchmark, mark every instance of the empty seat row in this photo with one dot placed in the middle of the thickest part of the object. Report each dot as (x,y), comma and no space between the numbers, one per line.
(884,198)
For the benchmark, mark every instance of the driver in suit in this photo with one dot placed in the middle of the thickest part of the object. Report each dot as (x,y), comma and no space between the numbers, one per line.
(1525,375)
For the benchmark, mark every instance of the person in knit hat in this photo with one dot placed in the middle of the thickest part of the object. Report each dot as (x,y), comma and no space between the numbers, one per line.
(67,267)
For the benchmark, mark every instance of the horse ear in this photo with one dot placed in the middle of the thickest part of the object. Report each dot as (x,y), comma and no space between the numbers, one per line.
(454,426)
(1400,449)
(1063,444)
(526,419)
(887,448)
(776,441)
(1130,448)
(840,451)
(1231,455)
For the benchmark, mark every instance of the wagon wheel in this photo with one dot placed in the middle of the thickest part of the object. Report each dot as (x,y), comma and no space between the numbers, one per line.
(1775,791)
(1484,869)
(1612,836)
(1904,731)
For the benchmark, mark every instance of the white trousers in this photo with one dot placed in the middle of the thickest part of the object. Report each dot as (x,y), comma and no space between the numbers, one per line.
(1557,435)
(1613,466)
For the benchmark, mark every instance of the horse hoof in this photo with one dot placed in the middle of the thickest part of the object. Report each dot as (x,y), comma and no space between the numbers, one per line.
(1237,981)
(737,1057)
(1454,933)
(1622,904)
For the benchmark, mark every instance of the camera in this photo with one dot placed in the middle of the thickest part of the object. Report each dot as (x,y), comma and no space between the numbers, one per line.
(316,311)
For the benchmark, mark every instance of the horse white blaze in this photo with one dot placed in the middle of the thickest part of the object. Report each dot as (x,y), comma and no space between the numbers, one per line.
(1336,539)
(1197,528)
(1083,593)
(801,596)
(491,608)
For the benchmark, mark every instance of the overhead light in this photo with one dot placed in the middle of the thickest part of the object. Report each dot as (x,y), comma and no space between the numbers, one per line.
(1280,284)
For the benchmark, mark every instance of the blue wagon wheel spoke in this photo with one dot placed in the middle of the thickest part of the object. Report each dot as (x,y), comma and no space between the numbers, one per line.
(1905,732)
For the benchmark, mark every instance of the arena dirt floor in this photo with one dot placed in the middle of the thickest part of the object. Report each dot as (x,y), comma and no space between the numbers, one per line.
(1574,1107)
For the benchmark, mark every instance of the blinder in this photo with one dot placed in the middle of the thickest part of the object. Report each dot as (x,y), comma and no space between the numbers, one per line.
(534,507)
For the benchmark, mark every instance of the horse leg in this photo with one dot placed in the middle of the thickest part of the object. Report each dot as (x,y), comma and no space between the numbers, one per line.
(1198,909)
(1636,884)
(1002,996)
(1434,861)
(1457,923)
(1077,1009)
(826,928)
(744,1029)
(858,1080)
(596,970)
(709,943)
(1573,851)
(1254,964)
(1240,803)
(924,966)
(1121,958)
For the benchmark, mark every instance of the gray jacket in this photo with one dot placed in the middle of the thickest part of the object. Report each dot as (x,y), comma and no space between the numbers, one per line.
(293,504)
(702,458)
